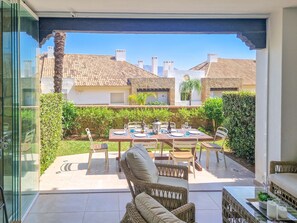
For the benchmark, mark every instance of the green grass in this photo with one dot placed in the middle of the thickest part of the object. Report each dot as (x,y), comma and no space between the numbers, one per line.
(72,147)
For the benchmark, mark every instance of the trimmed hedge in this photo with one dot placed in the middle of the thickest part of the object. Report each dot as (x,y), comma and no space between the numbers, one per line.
(101,119)
(50,127)
(239,110)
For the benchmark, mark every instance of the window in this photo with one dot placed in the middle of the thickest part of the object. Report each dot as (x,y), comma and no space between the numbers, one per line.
(184,96)
(117,98)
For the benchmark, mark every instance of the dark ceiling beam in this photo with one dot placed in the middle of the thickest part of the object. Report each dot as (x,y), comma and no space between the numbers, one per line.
(251,31)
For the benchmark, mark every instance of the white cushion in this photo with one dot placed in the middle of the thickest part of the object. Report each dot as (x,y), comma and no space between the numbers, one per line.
(141,164)
(152,211)
(286,181)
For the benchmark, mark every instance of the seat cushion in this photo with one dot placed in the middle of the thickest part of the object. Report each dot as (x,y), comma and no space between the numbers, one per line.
(152,211)
(141,164)
(176,182)
(286,181)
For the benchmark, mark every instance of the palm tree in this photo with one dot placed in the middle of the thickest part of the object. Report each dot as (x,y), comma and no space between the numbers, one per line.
(188,86)
(140,98)
(59,56)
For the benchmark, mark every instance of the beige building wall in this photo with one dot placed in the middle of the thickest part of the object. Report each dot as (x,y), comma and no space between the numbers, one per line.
(251,88)
(208,83)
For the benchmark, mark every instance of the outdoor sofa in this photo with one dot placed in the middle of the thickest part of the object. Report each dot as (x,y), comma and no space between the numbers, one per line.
(283,180)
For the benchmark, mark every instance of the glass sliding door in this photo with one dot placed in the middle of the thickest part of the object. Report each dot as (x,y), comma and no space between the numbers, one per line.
(9,118)
(29,88)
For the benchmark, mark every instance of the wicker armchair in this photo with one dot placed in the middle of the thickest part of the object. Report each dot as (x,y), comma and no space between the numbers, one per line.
(185,213)
(171,197)
(277,168)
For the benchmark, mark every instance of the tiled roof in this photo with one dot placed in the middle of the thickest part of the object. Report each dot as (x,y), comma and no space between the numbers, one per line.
(95,70)
(230,68)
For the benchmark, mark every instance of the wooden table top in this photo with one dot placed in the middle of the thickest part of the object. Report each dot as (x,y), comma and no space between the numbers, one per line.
(128,137)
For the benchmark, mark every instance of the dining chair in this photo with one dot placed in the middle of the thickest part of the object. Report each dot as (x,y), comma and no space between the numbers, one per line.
(97,148)
(184,150)
(164,125)
(221,133)
(132,125)
(148,144)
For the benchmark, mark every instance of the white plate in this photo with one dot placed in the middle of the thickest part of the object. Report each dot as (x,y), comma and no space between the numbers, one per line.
(195,132)
(173,130)
(137,130)
(140,135)
(177,134)
(119,133)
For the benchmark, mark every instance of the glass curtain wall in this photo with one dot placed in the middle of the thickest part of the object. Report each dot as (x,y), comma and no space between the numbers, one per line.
(19,128)
(29,82)
(9,166)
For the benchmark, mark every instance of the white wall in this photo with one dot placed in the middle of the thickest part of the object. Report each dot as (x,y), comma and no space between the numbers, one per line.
(47,84)
(179,78)
(282,92)
(261,114)
(289,85)
(95,95)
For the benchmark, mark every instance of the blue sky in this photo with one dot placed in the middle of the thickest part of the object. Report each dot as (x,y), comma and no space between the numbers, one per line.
(186,50)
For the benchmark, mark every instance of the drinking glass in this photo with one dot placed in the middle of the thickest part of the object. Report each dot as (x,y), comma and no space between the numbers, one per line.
(126,128)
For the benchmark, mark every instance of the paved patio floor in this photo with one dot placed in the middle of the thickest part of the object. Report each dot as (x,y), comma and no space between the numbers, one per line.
(70,193)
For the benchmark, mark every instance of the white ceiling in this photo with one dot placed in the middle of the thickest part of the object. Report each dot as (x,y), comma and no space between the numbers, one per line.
(113,8)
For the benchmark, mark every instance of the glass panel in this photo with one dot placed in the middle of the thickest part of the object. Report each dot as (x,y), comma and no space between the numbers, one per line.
(29,109)
(9,108)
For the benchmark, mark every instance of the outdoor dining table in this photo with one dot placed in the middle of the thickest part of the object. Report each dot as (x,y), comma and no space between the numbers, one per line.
(161,137)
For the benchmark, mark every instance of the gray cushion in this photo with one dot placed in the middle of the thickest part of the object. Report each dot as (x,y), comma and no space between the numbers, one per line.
(177,182)
(286,181)
(152,211)
(141,164)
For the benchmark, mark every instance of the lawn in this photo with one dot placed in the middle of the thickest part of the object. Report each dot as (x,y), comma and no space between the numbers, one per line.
(72,147)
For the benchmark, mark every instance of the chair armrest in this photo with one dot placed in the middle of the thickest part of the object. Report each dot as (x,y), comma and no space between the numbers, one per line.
(283,167)
(176,171)
(185,212)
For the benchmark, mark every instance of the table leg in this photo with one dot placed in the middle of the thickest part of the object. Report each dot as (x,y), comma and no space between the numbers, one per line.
(119,156)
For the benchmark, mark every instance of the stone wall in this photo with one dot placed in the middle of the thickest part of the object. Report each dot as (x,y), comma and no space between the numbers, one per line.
(154,83)
(208,83)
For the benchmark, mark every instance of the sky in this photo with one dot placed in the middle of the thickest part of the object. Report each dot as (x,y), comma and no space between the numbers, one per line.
(186,50)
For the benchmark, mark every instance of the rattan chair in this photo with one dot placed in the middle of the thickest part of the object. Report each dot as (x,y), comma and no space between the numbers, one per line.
(151,145)
(97,148)
(221,133)
(134,125)
(184,150)
(185,213)
(171,197)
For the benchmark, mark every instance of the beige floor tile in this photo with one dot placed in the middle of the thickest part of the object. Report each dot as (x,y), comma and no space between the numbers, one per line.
(103,202)
(203,201)
(104,217)
(60,203)
(208,216)
(55,218)
(124,198)
(217,198)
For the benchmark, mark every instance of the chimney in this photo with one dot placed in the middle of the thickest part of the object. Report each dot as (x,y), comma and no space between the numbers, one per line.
(50,52)
(140,64)
(167,67)
(120,55)
(155,65)
(212,58)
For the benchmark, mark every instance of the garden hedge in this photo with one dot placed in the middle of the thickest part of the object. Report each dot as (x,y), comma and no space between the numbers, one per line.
(50,127)
(239,111)
(101,119)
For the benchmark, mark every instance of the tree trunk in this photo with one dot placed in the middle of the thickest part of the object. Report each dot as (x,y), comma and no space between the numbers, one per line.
(59,56)
(190,99)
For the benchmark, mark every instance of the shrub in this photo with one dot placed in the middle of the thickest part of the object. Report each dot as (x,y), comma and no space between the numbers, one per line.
(50,127)
(68,117)
(156,103)
(98,119)
(213,110)
(239,110)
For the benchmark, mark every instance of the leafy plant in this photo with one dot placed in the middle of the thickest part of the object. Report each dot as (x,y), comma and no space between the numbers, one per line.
(263,196)
(50,127)
(240,111)
(68,117)
(140,98)
(156,103)
(187,87)
(213,110)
